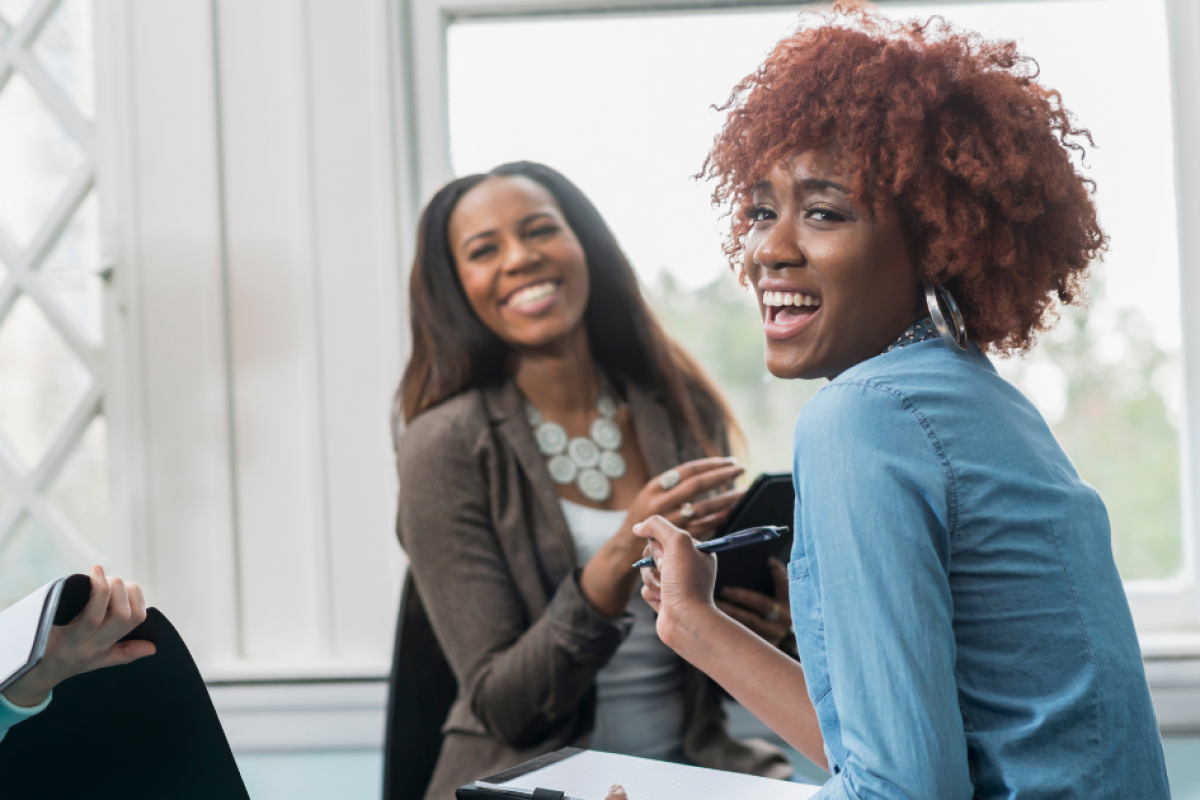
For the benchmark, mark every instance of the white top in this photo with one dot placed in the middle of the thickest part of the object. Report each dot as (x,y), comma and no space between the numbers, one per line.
(639,693)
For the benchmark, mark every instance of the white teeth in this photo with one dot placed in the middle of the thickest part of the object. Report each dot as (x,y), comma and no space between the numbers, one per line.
(532,294)
(789,299)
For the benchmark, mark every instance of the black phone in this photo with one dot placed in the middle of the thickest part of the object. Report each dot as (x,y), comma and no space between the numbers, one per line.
(770,500)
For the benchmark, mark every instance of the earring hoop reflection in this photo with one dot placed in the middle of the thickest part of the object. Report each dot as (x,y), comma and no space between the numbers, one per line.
(957,338)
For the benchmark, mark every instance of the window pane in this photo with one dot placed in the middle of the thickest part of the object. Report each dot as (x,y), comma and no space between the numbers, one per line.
(71,270)
(37,158)
(64,48)
(81,489)
(13,11)
(28,559)
(41,381)
(632,130)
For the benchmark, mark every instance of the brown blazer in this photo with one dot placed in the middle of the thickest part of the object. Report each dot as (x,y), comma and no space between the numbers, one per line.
(496,570)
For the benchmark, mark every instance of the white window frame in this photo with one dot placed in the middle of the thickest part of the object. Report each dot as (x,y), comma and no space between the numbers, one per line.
(1167,613)
(30,481)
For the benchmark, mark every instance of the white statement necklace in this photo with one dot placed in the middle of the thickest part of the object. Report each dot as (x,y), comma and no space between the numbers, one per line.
(591,463)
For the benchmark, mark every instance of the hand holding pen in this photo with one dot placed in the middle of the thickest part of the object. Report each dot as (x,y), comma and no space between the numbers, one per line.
(682,582)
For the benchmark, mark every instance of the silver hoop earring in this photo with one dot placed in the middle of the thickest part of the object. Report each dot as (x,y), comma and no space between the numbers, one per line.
(957,338)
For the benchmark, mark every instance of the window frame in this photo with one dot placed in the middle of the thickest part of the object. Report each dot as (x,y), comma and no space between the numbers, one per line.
(30,483)
(1166,612)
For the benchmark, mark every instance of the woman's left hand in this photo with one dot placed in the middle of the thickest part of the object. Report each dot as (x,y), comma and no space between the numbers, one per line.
(769,617)
(89,642)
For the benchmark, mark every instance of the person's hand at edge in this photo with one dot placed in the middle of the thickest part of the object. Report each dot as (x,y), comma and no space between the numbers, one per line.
(89,642)
(617,792)
(769,617)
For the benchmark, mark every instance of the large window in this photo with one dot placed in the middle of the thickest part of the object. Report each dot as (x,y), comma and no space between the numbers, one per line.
(53,485)
(623,106)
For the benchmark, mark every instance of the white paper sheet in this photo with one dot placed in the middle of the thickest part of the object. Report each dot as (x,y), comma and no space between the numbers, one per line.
(19,630)
(588,776)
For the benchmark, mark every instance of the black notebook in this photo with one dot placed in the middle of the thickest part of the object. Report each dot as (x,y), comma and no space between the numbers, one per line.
(770,500)
(141,731)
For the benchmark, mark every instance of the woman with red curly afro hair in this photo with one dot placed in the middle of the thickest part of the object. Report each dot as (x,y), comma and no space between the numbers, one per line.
(905,203)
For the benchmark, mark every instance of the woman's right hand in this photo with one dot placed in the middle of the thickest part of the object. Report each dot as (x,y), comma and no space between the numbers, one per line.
(607,580)
(682,578)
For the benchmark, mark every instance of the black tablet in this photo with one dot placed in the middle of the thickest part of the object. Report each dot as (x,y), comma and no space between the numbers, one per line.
(770,500)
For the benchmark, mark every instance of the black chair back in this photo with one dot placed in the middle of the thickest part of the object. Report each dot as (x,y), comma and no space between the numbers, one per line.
(421,690)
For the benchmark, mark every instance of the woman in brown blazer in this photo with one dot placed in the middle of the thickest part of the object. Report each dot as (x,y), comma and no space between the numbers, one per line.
(545,413)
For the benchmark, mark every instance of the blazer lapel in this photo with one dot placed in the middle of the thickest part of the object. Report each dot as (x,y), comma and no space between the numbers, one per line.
(506,409)
(652,425)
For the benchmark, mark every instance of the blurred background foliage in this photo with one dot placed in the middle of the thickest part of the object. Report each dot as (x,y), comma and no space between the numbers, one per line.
(1109,414)
(1119,432)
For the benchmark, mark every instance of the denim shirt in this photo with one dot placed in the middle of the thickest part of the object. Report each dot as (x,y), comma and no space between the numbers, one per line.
(961,622)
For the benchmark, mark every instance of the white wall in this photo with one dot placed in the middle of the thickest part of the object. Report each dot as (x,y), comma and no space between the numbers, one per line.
(258,207)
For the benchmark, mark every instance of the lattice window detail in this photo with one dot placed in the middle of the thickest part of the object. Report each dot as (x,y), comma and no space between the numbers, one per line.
(53,451)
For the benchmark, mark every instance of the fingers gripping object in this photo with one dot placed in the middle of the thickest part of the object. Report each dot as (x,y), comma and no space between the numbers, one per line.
(669,480)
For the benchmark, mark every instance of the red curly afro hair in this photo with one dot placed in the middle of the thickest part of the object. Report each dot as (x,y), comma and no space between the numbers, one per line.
(949,128)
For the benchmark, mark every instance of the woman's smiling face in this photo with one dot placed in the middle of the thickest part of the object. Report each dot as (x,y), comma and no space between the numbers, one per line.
(835,286)
(521,266)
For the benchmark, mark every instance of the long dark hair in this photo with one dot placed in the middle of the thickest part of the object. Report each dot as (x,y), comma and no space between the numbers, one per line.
(452,350)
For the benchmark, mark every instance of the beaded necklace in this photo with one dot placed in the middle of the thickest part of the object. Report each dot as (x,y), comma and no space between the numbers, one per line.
(590,463)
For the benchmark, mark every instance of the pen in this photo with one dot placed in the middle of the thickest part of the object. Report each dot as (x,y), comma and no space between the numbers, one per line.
(739,539)
(505,791)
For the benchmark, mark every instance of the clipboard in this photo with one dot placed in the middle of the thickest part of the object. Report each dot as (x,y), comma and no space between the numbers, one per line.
(770,500)
(492,787)
(575,774)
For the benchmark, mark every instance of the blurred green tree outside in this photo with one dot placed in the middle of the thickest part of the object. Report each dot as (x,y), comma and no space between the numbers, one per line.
(1121,435)
(1115,425)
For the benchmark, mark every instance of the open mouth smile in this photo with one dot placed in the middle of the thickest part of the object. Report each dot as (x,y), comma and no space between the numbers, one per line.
(786,314)
(533,298)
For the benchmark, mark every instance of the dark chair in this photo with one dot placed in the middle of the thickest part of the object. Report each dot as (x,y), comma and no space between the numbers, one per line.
(420,692)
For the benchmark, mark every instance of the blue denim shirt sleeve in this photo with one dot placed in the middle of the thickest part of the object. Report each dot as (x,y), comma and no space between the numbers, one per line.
(875,503)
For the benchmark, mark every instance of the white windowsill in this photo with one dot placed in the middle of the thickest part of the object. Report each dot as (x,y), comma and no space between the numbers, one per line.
(1170,645)
(293,672)
(334,712)
(302,717)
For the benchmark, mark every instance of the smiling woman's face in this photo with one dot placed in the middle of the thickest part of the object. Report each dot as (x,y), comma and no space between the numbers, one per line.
(520,264)
(835,286)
